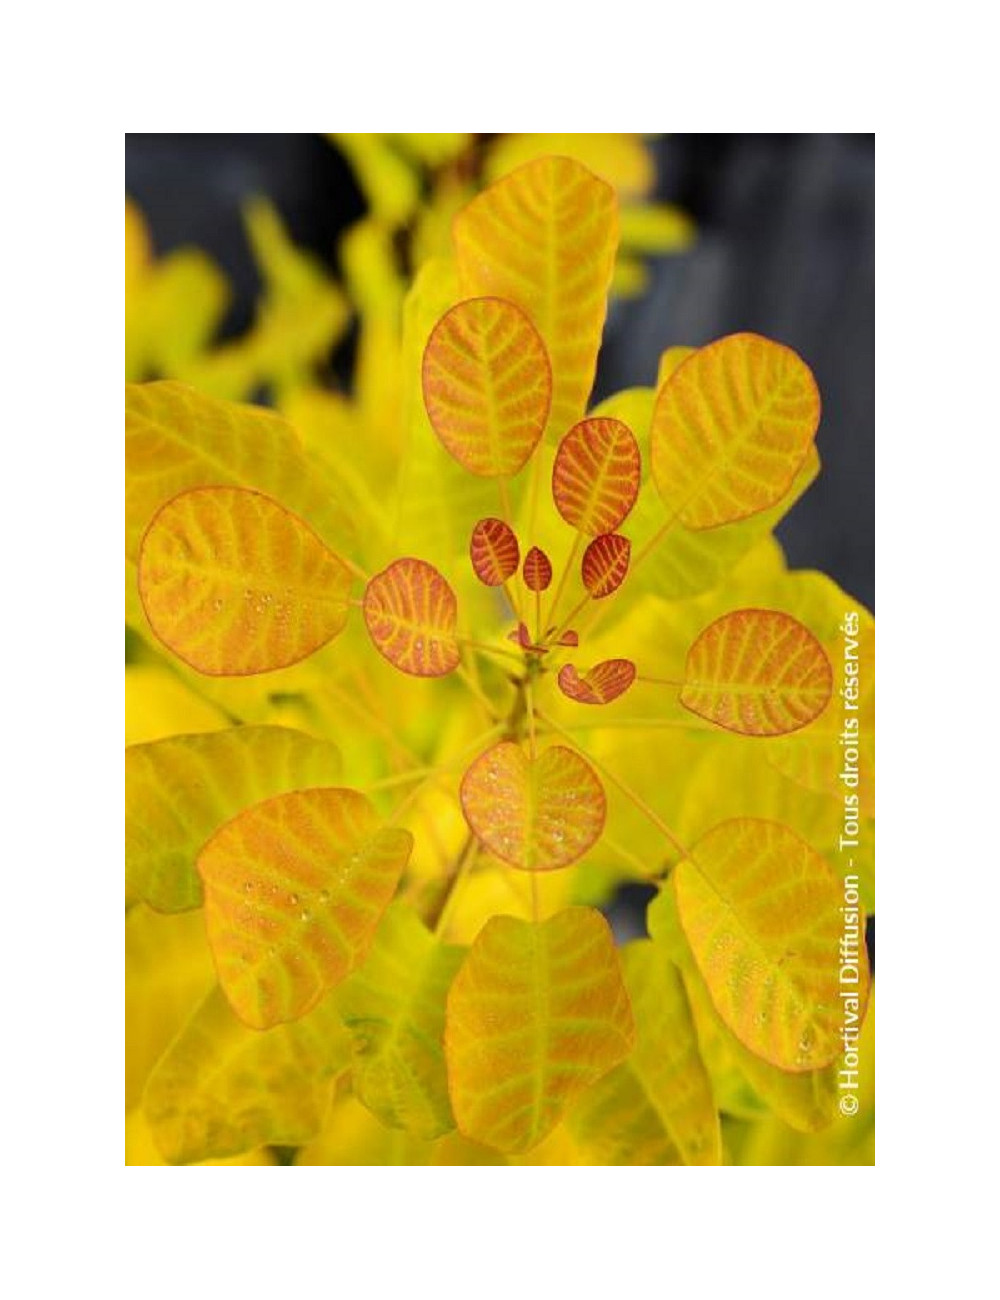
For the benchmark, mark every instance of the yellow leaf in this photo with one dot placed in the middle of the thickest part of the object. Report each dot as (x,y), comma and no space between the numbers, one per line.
(186,298)
(180,790)
(158,704)
(731,428)
(353,1136)
(168,970)
(294,891)
(394,1009)
(487,385)
(544,238)
(758,672)
(535,813)
(410,612)
(762,914)
(536,1014)
(141,1149)
(434,150)
(806,1100)
(656,1107)
(390,185)
(655,228)
(223,1089)
(176,438)
(670,359)
(622,160)
(234,584)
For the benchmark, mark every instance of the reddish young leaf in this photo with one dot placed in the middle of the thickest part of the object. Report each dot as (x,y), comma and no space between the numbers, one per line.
(294,891)
(494,552)
(537,814)
(487,385)
(235,584)
(758,672)
(410,612)
(570,638)
(604,683)
(537,570)
(605,564)
(522,637)
(595,477)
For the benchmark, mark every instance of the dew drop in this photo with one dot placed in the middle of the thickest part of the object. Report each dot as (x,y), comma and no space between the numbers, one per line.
(293,899)
(324,896)
(305,914)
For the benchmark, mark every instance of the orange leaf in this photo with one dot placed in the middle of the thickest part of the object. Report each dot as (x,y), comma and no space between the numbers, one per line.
(522,637)
(294,891)
(761,911)
(411,611)
(604,683)
(235,584)
(595,477)
(494,552)
(537,814)
(536,1014)
(731,427)
(537,570)
(544,237)
(605,564)
(758,672)
(487,385)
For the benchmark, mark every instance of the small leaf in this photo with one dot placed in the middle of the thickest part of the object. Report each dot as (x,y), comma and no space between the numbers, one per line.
(178,791)
(605,564)
(222,1088)
(731,427)
(569,638)
(537,570)
(657,1107)
(537,814)
(294,891)
(602,684)
(494,552)
(394,1008)
(595,476)
(234,584)
(536,1014)
(487,385)
(544,237)
(410,612)
(758,672)
(761,912)
(522,637)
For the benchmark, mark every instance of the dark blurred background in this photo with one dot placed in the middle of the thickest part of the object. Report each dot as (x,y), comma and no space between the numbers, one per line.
(786,247)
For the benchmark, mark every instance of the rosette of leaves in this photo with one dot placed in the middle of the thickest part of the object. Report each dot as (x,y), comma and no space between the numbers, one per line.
(460,667)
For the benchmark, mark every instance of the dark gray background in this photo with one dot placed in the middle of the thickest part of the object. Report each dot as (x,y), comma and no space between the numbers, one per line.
(786,247)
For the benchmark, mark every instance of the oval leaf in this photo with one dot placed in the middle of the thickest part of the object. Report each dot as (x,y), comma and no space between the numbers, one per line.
(235,584)
(494,552)
(537,1013)
(410,612)
(657,1107)
(761,911)
(394,1008)
(487,385)
(537,570)
(605,564)
(604,683)
(731,427)
(758,672)
(178,791)
(544,237)
(222,1088)
(595,476)
(535,814)
(294,890)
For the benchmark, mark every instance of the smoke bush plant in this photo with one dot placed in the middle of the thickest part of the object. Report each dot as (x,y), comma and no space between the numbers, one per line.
(451,663)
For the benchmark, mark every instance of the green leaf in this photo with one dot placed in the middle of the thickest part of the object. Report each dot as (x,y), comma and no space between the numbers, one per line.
(394,1008)
(657,1107)
(179,791)
(222,1088)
